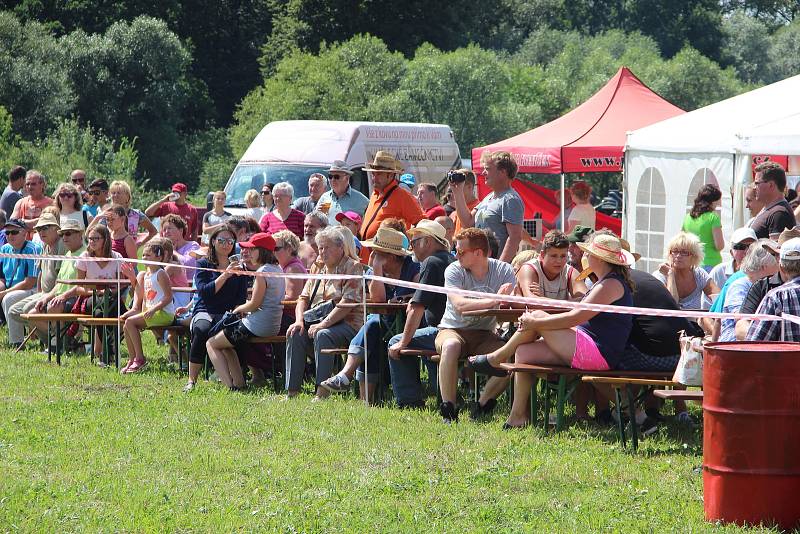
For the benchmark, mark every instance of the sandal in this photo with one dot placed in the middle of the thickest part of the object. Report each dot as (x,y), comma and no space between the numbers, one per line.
(127,366)
(137,366)
(480,364)
(507,426)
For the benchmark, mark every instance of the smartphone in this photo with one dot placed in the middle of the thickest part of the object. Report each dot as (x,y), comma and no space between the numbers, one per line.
(235,258)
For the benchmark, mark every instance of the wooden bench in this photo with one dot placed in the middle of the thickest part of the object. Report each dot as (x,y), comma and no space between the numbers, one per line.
(568,378)
(679,394)
(103,323)
(57,319)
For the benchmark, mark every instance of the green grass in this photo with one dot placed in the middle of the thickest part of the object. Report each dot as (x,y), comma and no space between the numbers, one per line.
(85,449)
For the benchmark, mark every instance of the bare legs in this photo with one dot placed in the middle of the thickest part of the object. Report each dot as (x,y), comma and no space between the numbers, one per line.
(226,361)
(133,337)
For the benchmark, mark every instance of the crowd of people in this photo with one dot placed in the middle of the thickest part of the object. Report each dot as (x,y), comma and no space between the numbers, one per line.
(463,244)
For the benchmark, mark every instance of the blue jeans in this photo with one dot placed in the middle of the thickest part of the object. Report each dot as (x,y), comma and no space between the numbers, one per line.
(405,371)
(372,332)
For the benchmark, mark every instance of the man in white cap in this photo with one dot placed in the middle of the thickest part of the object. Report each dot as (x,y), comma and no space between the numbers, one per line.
(342,197)
(740,240)
(423,315)
(783,299)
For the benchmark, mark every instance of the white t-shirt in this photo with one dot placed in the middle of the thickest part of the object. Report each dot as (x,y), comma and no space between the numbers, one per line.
(93,269)
(582,214)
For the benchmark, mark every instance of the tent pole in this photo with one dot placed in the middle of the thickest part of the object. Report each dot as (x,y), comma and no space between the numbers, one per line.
(563,225)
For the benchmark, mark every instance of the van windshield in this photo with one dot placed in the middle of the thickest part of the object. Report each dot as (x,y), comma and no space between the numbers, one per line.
(255,176)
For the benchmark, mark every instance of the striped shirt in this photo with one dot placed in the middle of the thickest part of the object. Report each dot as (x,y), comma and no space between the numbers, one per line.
(785,298)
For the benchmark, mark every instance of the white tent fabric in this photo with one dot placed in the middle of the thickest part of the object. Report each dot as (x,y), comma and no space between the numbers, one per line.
(667,163)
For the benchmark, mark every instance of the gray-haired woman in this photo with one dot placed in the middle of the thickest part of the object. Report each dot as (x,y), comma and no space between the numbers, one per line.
(334,326)
(283,216)
(761,261)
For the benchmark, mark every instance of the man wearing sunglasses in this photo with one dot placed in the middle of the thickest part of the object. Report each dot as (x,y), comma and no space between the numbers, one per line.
(341,197)
(777,215)
(30,207)
(740,240)
(98,197)
(17,275)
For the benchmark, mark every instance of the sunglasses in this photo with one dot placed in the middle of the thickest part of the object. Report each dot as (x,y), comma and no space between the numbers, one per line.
(740,246)
(335,177)
(95,238)
(66,195)
(78,180)
(95,193)
(225,241)
(266,192)
(69,233)
(13,232)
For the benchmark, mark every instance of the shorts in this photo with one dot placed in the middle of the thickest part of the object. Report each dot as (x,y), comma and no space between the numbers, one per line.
(587,356)
(473,342)
(237,333)
(160,318)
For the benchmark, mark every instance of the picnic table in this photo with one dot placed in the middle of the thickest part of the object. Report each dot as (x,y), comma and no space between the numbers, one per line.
(108,286)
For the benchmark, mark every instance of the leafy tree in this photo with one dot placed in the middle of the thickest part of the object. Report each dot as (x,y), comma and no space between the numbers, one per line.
(746,46)
(71,146)
(774,13)
(34,86)
(785,52)
(337,84)
(132,81)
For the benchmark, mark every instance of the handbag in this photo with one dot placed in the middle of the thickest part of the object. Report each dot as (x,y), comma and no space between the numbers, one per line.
(689,371)
(316,314)
(228,319)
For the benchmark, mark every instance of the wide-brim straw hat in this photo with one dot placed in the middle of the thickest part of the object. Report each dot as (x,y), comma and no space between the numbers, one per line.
(609,249)
(787,234)
(387,240)
(384,162)
(432,229)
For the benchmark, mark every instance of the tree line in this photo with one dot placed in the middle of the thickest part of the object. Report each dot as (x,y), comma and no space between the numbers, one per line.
(162,91)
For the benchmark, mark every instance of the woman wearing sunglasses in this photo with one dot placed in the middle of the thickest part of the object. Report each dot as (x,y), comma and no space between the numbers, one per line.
(688,283)
(70,205)
(217,293)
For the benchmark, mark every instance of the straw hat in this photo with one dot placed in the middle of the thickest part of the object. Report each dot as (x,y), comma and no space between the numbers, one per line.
(387,240)
(432,229)
(384,162)
(609,249)
(788,234)
(47,219)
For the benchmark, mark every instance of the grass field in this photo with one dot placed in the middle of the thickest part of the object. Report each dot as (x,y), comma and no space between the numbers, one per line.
(85,449)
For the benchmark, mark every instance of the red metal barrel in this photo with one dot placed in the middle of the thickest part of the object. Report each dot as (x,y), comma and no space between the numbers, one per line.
(751,433)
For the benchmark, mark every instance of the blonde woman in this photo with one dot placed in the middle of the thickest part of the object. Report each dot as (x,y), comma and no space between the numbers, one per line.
(70,205)
(253,202)
(683,276)
(120,193)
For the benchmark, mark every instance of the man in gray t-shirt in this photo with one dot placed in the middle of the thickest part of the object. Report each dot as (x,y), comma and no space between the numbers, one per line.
(460,336)
(11,194)
(501,211)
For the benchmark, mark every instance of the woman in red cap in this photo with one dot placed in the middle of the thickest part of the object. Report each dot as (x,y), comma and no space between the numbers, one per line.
(260,315)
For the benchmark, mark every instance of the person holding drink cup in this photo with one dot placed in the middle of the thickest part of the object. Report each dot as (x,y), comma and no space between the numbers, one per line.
(341,197)
(175,202)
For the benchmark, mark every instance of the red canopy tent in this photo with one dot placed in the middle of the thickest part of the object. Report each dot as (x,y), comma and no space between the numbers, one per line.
(590,138)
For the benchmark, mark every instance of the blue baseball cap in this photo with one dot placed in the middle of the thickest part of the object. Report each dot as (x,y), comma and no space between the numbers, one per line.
(408,179)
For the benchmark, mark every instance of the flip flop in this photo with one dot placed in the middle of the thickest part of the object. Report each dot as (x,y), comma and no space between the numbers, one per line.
(480,364)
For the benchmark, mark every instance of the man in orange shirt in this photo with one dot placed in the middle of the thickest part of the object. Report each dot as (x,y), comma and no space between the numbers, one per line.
(388,199)
(469,196)
(29,207)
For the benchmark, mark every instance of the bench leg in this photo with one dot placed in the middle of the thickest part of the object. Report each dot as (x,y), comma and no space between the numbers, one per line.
(561,401)
(534,401)
(632,413)
(620,423)
(59,342)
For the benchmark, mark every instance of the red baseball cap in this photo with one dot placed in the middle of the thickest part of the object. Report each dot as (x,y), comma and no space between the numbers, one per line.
(180,188)
(353,216)
(260,240)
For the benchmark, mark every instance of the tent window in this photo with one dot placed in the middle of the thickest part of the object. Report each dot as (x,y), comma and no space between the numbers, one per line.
(701,177)
(650,214)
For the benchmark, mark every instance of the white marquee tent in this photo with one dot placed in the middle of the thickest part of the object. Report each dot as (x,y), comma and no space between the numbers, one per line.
(668,162)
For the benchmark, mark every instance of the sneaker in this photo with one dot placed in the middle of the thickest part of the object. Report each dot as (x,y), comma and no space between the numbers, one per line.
(336,384)
(484,411)
(448,412)
(188,387)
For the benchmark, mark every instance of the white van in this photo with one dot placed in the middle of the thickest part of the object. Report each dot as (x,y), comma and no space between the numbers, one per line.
(290,151)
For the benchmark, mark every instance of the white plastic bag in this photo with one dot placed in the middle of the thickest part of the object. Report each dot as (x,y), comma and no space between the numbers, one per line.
(689,371)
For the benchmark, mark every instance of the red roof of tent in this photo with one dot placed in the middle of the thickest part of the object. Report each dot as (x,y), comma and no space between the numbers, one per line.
(590,138)
(541,199)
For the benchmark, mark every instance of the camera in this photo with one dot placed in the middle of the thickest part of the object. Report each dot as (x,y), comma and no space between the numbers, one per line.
(456,177)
